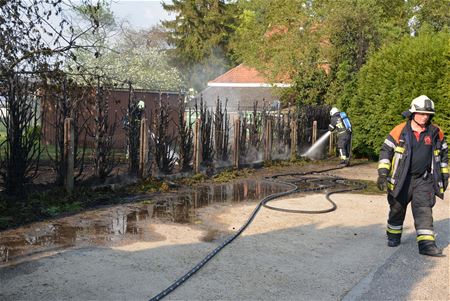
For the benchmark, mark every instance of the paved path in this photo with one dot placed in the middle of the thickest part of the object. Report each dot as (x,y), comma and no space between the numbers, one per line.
(336,256)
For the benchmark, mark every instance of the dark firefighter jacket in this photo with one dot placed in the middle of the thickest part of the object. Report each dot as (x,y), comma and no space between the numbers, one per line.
(395,158)
(336,123)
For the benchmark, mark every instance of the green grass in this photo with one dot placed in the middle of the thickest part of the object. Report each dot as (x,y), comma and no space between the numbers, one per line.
(48,152)
(232,174)
(2,132)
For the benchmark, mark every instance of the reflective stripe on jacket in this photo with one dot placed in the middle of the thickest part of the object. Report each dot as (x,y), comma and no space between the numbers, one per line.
(395,158)
(337,123)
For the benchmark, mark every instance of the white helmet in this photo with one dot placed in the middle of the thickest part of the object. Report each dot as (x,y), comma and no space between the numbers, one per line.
(422,104)
(141,105)
(333,111)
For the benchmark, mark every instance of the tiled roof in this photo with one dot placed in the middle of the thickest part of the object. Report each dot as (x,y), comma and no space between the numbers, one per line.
(241,76)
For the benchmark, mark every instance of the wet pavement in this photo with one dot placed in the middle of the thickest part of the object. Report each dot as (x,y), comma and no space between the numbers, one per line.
(124,223)
(341,255)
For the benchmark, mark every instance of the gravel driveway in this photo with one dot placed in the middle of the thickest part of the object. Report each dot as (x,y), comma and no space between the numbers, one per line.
(281,256)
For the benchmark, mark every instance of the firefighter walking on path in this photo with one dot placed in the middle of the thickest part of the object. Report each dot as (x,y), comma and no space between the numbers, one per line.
(414,166)
(341,123)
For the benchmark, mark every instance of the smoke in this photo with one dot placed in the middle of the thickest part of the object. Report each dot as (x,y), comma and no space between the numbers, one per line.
(252,155)
(209,68)
(121,180)
(281,152)
(222,164)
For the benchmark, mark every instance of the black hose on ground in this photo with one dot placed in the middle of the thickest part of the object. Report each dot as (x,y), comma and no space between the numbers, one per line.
(336,180)
(263,202)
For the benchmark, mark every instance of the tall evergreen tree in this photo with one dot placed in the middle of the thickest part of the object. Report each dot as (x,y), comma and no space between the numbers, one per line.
(200,35)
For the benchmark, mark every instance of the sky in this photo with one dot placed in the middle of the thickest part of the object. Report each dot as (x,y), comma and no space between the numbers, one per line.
(140,14)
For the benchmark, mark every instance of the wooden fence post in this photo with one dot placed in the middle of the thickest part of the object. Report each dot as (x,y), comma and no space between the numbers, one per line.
(294,138)
(331,145)
(143,149)
(69,154)
(314,132)
(268,142)
(197,146)
(236,146)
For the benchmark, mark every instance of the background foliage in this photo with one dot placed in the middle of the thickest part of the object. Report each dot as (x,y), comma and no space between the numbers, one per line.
(393,77)
(200,35)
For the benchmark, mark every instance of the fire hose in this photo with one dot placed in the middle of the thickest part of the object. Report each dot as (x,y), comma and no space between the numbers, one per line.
(264,203)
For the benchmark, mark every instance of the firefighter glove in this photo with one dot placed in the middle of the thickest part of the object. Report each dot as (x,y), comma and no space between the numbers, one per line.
(381,182)
(330,128)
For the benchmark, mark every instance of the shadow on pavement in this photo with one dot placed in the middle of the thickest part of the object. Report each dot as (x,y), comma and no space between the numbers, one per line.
(308,262)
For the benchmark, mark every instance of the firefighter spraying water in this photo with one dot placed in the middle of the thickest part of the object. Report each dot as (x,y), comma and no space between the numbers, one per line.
(341,123)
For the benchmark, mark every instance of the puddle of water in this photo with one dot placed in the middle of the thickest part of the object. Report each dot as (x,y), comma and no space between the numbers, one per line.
(125,223)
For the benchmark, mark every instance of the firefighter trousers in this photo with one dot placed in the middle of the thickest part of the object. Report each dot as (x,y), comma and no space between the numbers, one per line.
(343,144)
(418,191)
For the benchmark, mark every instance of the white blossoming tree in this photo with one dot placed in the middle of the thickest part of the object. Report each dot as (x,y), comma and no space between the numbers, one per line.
(145,68)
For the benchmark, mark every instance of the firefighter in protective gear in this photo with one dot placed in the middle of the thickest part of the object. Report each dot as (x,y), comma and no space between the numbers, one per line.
(340,122)
(414,166)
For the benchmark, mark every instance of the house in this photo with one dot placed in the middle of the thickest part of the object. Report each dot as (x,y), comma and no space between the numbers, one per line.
(242,86)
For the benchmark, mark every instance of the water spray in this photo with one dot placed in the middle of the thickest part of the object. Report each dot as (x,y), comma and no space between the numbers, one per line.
(314,151)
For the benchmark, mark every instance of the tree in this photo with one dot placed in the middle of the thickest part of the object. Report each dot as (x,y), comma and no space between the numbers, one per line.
(144,67)
(155,37)
(273,36)
(354,30)
(311,84)
(391,79)
(65,99)
(31,49)
(295,39)
(103,132)
(97,80)
(200,36)
(107,65)
(82,67)
(163,140)
(185,136)
(432,12)
(130,59)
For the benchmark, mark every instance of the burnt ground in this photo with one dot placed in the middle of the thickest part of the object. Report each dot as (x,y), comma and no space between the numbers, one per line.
(340,255)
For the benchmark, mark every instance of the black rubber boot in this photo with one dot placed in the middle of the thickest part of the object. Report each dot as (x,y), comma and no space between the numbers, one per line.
(429,248)
(393,240)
